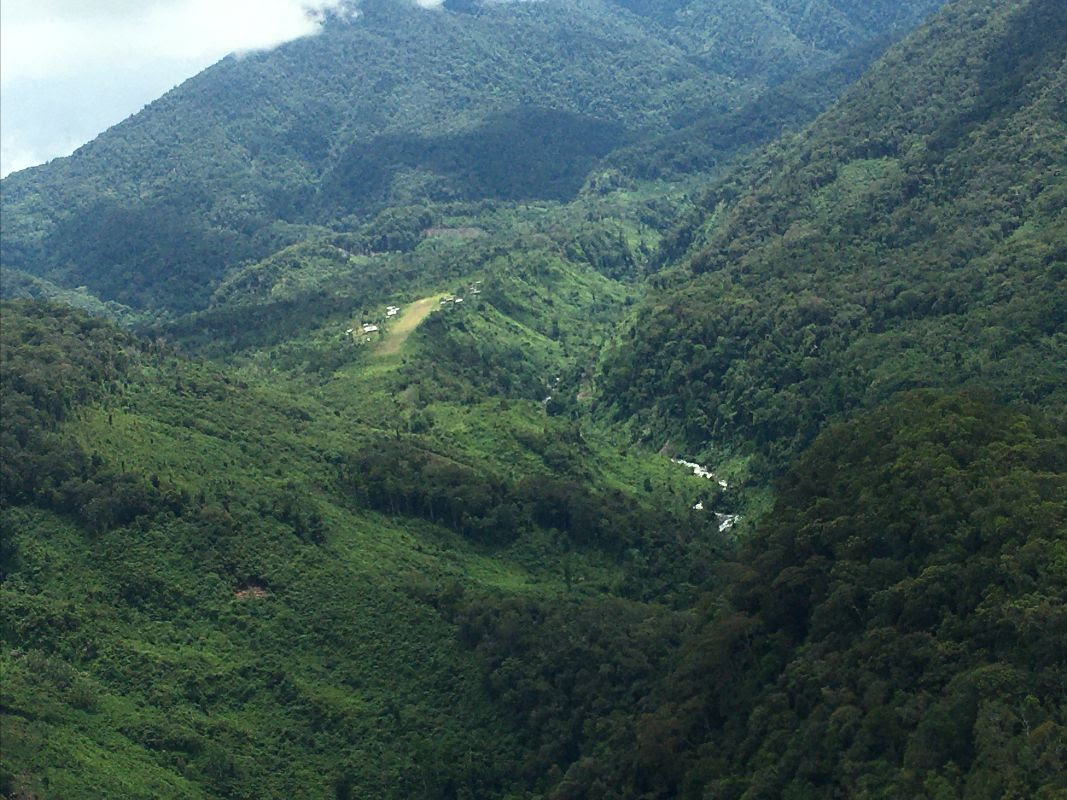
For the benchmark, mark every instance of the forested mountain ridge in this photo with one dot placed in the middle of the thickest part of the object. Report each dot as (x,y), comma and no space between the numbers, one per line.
(775,38)
(394,106)
(913,236)
(895,627)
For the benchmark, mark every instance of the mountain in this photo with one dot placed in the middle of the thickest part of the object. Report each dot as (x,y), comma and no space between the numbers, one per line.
(911,237)
(395,106)
(390,487)
(217,581)
(895,627)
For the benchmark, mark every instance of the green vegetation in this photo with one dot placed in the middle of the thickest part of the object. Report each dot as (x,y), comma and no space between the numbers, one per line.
(196,588)
(250,547)
(893,628)
(517,102)
(900,242)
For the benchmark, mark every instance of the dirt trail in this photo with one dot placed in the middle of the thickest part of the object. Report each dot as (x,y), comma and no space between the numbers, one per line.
(409,320)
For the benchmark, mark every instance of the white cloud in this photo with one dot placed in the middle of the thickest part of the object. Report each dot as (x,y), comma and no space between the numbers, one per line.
(16,155)
(71,68)
(59,38)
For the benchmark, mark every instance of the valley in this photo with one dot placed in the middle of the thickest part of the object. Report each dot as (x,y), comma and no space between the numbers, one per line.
(550,401)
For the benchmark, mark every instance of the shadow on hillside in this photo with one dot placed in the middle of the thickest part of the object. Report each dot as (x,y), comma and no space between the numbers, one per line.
(162,252)
(523,154)
(167,252)
(707,138)
(1031,42)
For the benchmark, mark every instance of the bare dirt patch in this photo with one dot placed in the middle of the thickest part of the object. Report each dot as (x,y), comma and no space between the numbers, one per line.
(251,592)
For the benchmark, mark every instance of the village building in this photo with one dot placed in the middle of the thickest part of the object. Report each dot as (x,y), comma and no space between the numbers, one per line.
(726,521)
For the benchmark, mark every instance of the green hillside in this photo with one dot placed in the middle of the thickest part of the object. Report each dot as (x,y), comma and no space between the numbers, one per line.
(895,627)
(198,555)
(488,402)
(208,574)
(518,102)
(907,239)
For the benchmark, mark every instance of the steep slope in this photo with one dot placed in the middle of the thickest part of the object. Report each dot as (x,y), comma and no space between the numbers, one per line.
(774,39)
(895,627)
(710,141)
(516,101)
(913,236)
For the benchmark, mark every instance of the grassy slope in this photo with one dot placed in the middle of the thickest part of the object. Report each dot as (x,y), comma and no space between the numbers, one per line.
(181,666)
(409,319)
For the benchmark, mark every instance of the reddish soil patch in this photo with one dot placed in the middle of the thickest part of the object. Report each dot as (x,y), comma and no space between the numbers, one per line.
(251,592)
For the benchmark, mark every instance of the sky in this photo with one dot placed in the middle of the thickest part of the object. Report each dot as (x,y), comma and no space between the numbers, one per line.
(70,69)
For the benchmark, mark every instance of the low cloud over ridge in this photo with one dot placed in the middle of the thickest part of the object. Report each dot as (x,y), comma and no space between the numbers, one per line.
(64,37)
(70,69)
